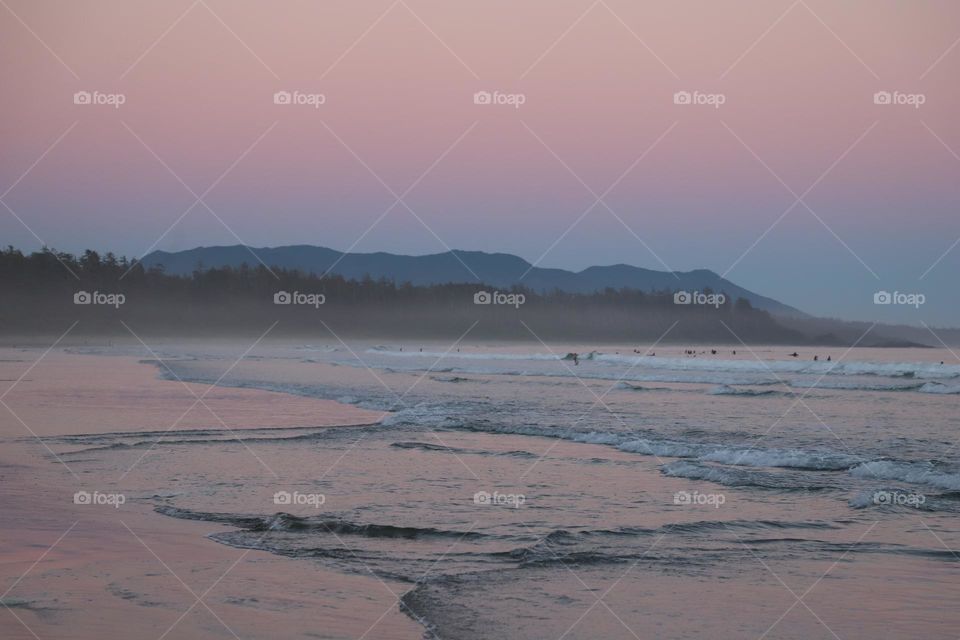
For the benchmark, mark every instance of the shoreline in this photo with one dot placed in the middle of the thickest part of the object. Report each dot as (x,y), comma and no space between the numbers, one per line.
(93,568)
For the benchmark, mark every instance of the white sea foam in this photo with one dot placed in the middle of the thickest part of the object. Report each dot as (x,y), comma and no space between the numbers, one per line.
(694,471)
(727,390)
(700,451)
(852,385)
(890,369)
(936,387)
(786,458)
(912,472)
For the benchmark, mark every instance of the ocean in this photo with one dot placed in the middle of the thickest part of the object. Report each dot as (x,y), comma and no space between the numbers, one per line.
(512,491)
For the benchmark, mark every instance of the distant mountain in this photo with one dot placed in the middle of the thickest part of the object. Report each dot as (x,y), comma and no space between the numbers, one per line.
(495,269)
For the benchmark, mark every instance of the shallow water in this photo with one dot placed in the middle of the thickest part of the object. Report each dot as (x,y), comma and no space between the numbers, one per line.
(520,495)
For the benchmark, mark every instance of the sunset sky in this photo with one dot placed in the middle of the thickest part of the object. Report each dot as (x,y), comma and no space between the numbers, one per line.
(693,185)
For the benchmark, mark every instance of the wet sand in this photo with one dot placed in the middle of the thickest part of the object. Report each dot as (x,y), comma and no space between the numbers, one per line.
(95,571)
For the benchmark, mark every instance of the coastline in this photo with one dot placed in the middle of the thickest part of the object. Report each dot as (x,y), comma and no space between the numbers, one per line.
(90,568)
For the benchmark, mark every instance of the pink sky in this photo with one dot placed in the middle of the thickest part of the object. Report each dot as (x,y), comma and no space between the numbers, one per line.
(598,79)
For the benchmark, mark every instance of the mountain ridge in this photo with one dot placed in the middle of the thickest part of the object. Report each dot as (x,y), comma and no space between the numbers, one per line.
(459,266)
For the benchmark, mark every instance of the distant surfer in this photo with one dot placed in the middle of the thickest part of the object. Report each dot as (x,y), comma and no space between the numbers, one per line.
(794,355)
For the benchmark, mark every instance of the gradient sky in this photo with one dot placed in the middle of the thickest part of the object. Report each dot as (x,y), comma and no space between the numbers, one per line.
(699,187)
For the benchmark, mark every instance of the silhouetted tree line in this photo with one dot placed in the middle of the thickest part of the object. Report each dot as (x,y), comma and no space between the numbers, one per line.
(38,290)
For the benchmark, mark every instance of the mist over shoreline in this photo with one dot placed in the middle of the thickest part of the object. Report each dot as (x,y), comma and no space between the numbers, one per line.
(45,292)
